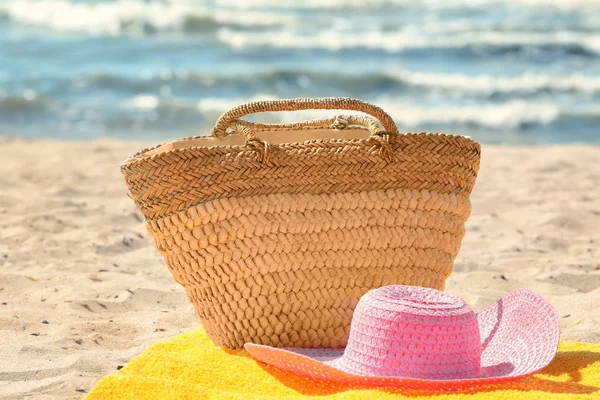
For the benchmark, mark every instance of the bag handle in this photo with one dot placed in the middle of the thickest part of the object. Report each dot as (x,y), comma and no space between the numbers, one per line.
(232,117)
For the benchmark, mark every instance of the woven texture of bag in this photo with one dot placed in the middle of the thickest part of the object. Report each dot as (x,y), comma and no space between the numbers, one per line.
(275,243)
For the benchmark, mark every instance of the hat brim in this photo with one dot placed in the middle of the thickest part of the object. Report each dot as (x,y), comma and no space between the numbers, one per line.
(519,337)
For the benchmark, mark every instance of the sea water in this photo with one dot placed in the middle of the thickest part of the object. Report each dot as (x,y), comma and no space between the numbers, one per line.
(501,71)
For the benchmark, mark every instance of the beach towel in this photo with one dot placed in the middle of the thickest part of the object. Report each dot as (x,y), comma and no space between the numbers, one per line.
(190,366)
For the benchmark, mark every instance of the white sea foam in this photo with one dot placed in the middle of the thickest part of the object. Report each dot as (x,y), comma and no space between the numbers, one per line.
(128,16)
(99,18)
(137,16)
(507,115)
(486,84)
(402,81)
(348,4)
(398,41)
(145,102)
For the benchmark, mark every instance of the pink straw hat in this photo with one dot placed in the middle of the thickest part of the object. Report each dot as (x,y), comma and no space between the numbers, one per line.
(422,338)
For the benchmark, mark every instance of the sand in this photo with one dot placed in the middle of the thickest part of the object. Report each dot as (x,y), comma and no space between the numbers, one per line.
(82,289)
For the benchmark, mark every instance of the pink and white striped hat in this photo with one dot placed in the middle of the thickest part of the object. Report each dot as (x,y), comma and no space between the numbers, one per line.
(421,338)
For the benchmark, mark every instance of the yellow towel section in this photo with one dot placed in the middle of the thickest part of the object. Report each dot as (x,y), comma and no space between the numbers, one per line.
(190,366)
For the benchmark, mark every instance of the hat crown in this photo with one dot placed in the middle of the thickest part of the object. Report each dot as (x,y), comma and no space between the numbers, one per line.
(413,332)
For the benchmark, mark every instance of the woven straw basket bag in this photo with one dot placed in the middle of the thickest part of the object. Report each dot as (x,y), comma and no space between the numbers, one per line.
(276,230)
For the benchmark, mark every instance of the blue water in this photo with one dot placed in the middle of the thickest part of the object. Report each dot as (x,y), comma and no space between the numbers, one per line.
(500,71)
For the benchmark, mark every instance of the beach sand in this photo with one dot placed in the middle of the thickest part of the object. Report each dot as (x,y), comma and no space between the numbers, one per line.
(82,289)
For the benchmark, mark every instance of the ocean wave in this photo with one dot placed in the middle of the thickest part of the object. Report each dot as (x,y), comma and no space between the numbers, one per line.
(571,41)
(516,114)
(152,111)
(132,16)
(528,83)
(371,4)
(26,103)
(511,115)
(396,81)
(149,102)
(139,17)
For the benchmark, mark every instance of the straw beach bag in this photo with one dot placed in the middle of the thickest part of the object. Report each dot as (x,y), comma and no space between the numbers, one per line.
(276,230)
